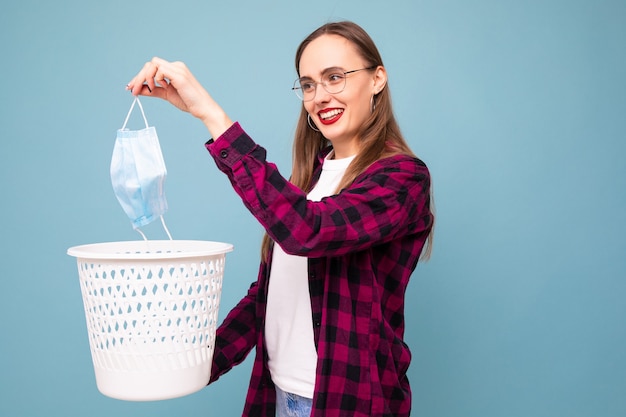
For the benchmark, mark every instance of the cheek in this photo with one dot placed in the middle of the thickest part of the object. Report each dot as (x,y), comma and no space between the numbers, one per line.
(309,106)
(361,105)
(360,97)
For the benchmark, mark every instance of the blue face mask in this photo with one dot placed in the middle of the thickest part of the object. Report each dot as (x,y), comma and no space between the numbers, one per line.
(138,173)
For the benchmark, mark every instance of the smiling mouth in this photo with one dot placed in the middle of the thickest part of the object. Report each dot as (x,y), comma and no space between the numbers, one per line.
(330,116)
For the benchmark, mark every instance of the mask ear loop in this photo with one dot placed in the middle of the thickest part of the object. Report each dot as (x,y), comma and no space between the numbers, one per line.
(169,235)
(141,233)
(132,106)
(165,228)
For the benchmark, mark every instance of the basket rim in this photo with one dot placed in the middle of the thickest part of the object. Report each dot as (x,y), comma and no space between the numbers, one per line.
(149,249)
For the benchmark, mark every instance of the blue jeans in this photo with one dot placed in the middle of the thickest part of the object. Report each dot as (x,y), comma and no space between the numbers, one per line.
(292,405)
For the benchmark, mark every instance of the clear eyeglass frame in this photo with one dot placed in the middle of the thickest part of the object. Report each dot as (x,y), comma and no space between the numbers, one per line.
(333,83)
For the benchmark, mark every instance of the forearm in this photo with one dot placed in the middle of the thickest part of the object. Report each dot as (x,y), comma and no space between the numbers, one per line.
(236,336)
(387,201)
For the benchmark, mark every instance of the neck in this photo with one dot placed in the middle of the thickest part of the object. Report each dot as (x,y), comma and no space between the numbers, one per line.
(344,149)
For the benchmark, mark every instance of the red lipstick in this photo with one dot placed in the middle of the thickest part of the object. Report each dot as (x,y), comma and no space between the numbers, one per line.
(329,116)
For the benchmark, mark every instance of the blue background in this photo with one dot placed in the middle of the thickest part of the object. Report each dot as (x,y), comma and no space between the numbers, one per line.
(518,107)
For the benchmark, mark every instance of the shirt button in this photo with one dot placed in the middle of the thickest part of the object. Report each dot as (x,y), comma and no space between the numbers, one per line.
(224,153)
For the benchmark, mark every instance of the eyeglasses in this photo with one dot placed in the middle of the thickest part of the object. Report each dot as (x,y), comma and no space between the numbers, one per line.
(334,82)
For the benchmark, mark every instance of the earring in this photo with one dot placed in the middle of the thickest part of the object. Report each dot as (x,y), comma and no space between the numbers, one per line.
(372,104)
(311,124)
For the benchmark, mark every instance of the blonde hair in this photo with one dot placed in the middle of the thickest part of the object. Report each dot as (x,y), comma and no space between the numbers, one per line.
(380,134)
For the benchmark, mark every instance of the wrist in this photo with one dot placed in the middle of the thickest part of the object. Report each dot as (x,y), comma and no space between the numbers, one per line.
(217,124)
(214,118)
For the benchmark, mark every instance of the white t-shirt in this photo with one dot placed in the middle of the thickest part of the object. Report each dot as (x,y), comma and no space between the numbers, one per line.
(288,324)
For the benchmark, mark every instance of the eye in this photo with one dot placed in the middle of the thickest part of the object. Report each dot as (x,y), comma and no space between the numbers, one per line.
(307,85)
(335,78)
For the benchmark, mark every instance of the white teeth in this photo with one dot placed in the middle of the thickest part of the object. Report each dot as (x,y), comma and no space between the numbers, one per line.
(330,114)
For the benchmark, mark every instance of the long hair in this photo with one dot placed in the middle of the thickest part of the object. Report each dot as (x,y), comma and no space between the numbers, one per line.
(380,135)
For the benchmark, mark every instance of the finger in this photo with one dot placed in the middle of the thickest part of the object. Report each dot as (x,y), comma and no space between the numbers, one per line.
(157,91)
(136,85)
(146,77)
(140,90)
(163,86)
(160,79)
(185,77)
(143,90)
(151,70)
(162,82)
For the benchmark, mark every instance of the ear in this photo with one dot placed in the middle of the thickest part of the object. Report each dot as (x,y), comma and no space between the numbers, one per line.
(380,79)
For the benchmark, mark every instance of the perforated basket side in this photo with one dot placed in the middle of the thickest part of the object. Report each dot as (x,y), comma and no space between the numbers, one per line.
(151,314)
(151,309)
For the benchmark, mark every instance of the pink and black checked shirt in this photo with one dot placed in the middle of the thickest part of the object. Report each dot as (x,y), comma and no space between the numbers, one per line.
(362,244)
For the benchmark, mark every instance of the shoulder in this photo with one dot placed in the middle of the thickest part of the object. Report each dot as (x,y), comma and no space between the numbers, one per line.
(399,163)
(397,174)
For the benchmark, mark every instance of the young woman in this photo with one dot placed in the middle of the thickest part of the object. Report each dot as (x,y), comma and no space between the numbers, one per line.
(344,234)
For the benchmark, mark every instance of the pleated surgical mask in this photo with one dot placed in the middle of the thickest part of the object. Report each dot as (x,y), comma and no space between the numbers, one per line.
(138,173)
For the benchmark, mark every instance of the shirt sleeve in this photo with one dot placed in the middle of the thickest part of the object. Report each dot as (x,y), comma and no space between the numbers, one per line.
(236,336)
(389,200)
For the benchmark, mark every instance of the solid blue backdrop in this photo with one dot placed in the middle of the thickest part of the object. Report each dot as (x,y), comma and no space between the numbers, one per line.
(517,107)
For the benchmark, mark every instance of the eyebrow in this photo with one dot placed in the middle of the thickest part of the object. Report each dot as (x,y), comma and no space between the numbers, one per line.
(325,71)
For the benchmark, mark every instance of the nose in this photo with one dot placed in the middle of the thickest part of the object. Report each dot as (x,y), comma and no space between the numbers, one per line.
(321,95)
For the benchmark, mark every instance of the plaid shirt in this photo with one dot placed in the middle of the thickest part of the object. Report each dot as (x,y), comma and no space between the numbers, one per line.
(362,245)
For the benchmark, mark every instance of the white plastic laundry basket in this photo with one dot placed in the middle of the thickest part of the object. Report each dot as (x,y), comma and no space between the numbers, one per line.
(151,310)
